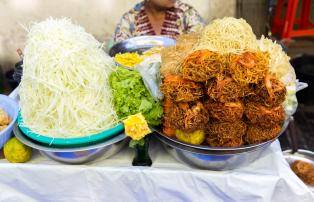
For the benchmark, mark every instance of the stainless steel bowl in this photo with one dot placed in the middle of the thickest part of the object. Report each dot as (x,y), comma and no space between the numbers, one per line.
(77,155)
(140,44)
(214,158)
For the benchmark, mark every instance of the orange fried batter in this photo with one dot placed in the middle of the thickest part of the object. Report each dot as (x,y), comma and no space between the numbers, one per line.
(304,170)
(248,67)
(226,134)
(224,89)
(202,65)
(188,116)
(270,92)
(181,90)
(264,116)
(225,112)
(257,134)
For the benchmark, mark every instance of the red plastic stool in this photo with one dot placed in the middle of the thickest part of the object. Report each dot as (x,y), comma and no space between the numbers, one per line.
(285,27)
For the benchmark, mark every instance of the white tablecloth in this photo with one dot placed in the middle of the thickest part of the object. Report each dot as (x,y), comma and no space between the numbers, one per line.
(267,179)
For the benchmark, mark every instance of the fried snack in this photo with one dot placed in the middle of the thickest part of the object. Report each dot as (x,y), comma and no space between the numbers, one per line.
(196,137)
(304,170)
(226,134)
(167,106)
(225,112)
(181,90)
(257,134)
(224,89)
(188,39)
(173,56)
(202,65)
(249,67)
(4,118)
(3,127)
(264,116)
(188,117)
(270,92)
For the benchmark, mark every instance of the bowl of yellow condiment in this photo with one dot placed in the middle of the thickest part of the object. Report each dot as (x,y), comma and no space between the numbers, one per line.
(131,52)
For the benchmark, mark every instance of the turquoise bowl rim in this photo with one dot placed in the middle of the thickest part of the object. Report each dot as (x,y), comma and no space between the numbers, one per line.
(69,141)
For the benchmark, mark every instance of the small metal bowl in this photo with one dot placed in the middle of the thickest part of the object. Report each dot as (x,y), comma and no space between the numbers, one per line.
(302,155)
(215,158)
(140,44)
(76,155)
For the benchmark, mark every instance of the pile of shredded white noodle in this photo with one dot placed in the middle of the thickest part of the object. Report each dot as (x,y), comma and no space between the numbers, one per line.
(64,90)
(280,66)
(228,35)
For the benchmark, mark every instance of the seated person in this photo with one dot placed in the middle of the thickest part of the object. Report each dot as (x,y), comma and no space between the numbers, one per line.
(158,17)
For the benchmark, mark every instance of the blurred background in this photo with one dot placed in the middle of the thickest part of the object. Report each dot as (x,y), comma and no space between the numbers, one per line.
(100,17)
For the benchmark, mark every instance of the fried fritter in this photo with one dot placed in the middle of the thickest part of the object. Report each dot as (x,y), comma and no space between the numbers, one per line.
(257,134)
(270,92)
(264,116)
(225,112)
(226,134)
(188,117)
(249,67)
(167,128)
(4,118)
(202,65)
(181,90)
(224,89)
(304,170)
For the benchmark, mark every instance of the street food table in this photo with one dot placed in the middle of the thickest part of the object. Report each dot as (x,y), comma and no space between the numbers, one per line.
(267,179)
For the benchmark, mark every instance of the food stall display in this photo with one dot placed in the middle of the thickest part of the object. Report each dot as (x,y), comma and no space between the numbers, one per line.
(226,88)
(223,90)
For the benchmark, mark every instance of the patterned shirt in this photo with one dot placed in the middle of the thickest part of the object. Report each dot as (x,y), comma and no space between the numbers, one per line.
(182,18)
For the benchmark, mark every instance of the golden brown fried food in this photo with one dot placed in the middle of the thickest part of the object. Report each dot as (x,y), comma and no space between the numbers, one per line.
(167,106)
(257,134)
(264,116)
(181,90)
(224,89)
(188,39)
(226,134)
(3,127)
(4,118)
(225,112)
(270,92)
(188,117)
(249,67)
(173,56)
(202,65)
(304,170)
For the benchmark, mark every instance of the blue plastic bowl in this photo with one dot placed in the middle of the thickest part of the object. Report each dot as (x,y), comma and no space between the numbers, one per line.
(11,107)
(69,142)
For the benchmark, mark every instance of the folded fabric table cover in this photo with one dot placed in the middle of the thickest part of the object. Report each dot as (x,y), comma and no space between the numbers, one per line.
(269,178)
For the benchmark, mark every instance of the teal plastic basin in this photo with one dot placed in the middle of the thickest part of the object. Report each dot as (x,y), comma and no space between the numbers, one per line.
(89,139)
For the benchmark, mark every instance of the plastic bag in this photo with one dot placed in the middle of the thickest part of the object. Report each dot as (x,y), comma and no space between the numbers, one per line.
(149,69)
